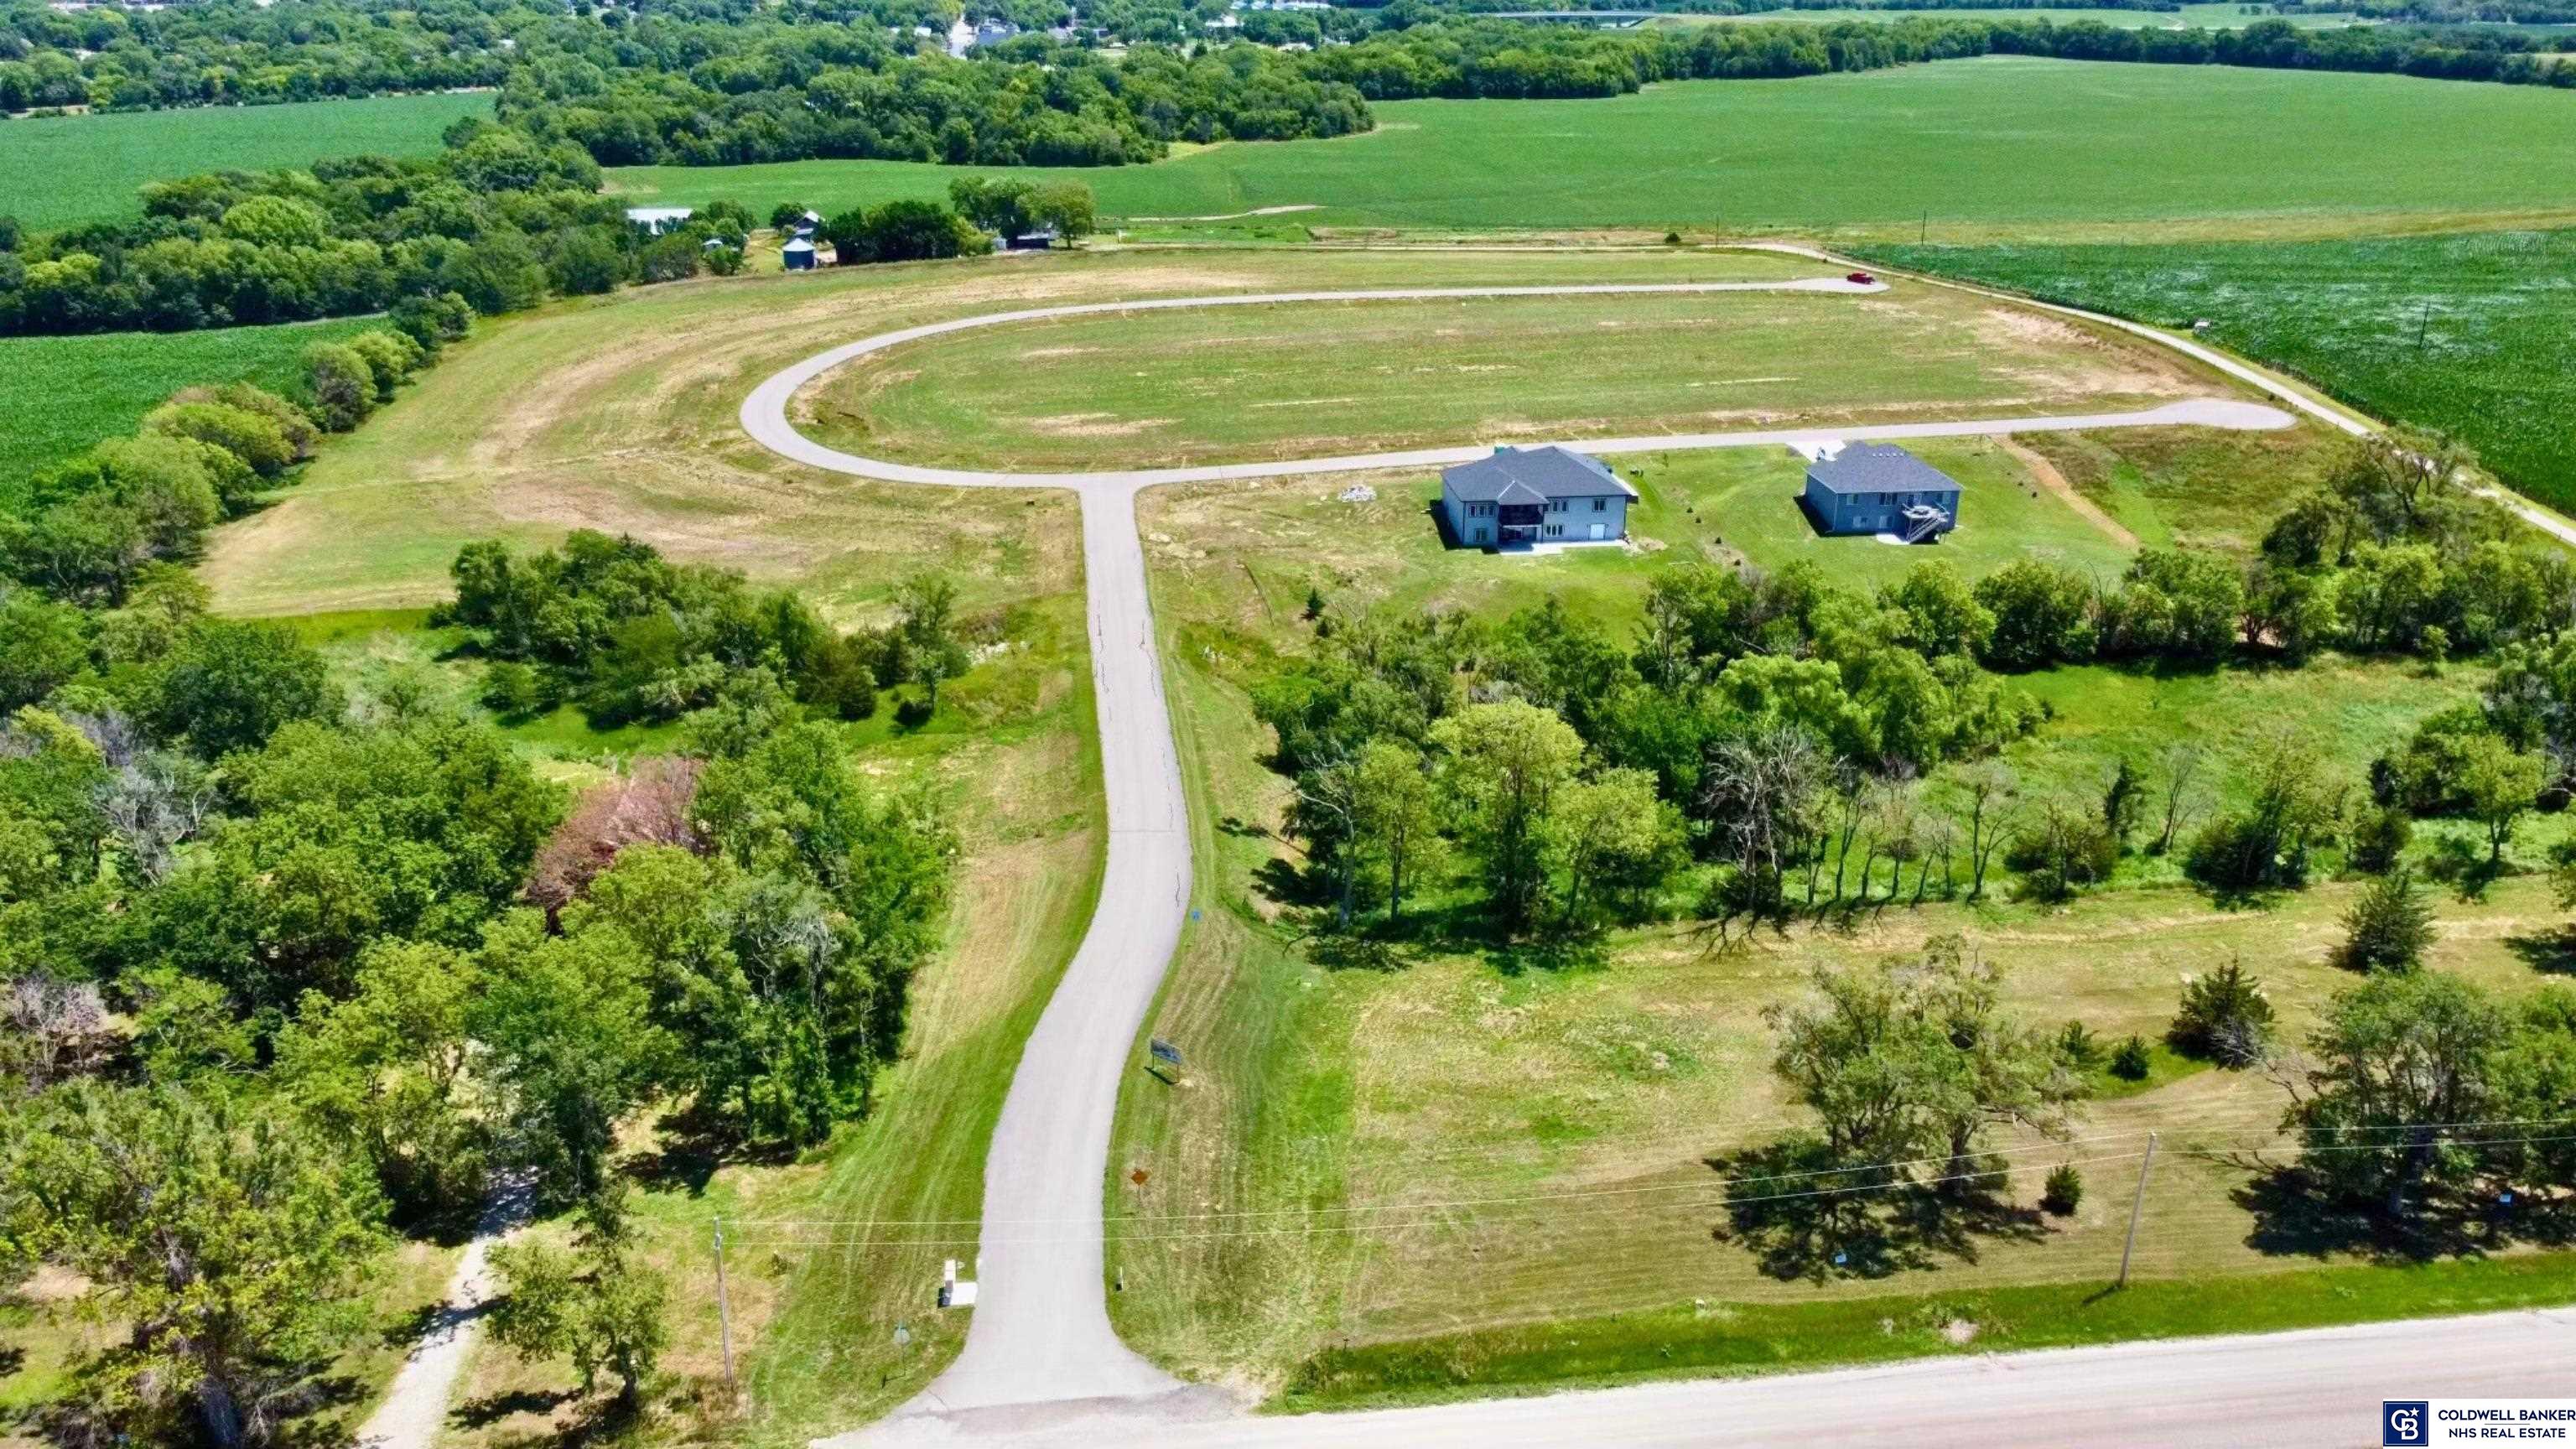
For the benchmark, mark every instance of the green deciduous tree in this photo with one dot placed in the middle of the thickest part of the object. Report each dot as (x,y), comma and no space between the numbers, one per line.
(2499,784)
(2401,1070)
(1504,763)
(226,1244)
(1612,843)
(568,1023)
(597,1305)
(229,685)
(386,1072)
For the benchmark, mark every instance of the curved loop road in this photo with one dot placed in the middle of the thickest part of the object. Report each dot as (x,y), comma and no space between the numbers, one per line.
(1040,1343)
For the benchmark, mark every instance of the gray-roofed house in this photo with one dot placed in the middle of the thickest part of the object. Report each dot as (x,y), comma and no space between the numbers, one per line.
(1881,488)
(1520,497)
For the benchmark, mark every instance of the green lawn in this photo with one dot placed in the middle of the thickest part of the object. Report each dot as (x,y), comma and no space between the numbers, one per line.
(60,171)
(1965,144)
(1741,502)
(1226,384)
(1678,1341)
(2472,334)
(62,394)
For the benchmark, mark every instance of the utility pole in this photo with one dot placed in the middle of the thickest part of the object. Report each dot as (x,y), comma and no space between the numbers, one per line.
(724,1309)
(2137,1205)
(1925,234)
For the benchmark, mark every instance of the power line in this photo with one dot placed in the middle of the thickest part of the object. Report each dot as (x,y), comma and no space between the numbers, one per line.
(1578,1194)
(1590,1202)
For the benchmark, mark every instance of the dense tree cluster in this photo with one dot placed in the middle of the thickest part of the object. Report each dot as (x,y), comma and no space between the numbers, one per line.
(1814,748)
(494,224)
(285,971)
(610,625)
(1571,767)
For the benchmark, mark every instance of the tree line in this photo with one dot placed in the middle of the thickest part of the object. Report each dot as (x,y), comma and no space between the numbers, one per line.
(293,969)
(1467,58)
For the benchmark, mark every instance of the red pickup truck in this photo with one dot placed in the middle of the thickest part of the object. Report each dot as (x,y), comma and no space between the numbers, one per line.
(1863,278)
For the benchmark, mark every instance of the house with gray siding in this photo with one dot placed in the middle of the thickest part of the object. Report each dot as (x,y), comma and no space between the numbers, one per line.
(1880,488)
(1522,497)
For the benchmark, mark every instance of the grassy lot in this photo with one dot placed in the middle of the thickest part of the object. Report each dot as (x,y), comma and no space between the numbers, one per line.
(1952,147)
(635,428)
(1235,383)
(2475,335)
(1483,1174)
(61,394)
(61,171)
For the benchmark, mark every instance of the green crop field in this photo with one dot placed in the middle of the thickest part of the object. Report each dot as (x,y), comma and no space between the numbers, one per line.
(1961,148)
(1235,383)
(60,171)
(2475,335)
(61,394)
(2206,17)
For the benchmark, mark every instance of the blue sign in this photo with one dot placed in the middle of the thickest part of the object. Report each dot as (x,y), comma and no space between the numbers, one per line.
(2405,1422)
(1164,1051)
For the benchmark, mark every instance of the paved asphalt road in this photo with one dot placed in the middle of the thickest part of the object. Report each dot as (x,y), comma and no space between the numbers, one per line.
(1040,1335)
(2315,1388)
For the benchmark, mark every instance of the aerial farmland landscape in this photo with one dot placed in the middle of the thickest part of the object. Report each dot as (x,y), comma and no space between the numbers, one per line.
(1277,722)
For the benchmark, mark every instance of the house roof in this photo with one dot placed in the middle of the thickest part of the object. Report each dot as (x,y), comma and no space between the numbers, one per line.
(798,245)
(1512,475)
(1878,468)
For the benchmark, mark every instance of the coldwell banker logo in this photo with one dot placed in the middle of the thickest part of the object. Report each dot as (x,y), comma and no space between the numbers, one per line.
(2402,1422)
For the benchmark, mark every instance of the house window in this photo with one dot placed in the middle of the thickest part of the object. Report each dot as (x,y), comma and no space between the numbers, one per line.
(1600,505)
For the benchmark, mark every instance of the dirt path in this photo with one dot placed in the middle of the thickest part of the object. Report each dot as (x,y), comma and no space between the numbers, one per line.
(2055,482)
(415,1409)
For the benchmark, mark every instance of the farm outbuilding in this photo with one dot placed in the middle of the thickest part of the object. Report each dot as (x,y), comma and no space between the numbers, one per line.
(655,220)
(1880,488)
(798,255)
(1523,498)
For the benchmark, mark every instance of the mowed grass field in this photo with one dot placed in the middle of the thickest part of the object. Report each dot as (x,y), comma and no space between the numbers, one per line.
(635,429)
(63,170)
(1964,150)
(2474,335)
(1306,379)
(1467,1174)
(62,394)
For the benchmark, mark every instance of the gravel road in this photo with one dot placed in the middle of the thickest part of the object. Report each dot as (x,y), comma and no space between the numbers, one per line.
(1040,1348)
